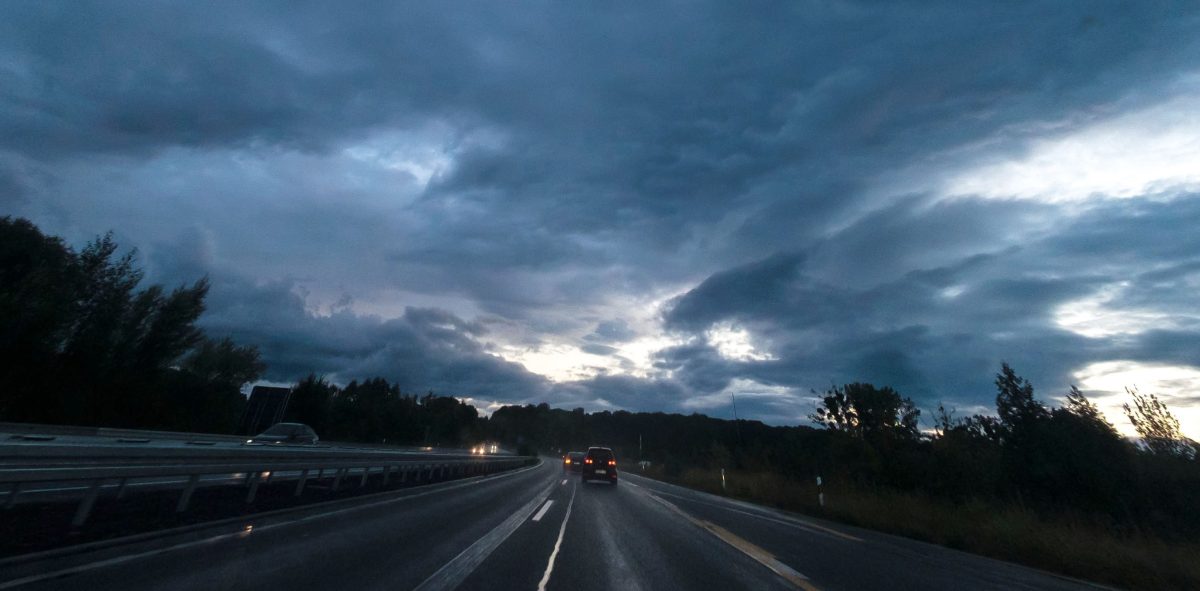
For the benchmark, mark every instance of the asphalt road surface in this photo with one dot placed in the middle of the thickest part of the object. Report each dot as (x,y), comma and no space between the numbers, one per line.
(534,528)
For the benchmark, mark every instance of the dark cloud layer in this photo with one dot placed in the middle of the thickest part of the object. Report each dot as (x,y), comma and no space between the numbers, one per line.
(417,191)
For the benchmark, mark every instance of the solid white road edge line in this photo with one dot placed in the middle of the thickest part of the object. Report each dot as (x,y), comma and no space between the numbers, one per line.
(453,573)
(557,544)
(240,534)
(542,512)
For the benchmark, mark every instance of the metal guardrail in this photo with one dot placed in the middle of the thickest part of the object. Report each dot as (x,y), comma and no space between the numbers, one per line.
(36,430)
(91,470)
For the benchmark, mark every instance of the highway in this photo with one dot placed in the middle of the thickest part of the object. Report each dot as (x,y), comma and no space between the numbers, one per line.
(533,528)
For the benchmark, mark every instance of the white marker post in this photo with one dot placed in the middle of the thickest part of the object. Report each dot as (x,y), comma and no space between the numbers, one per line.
(820,493)
(722,480)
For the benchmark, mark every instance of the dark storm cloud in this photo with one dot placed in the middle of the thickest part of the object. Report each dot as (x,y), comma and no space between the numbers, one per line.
(424,349)
(611,331)
(941,333)
(578,157)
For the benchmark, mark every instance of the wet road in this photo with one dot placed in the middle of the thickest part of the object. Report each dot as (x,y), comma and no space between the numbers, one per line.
(530,529)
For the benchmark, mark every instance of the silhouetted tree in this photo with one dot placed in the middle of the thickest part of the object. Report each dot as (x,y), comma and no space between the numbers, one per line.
(868,412)
(1015,403)
(81,342)
(1156,425)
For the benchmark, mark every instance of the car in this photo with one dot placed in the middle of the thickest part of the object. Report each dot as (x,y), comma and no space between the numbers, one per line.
(573,461)
(599,463)
(287,433)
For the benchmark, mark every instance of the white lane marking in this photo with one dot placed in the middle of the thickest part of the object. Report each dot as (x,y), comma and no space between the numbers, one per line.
(542,513)
(241,534)
(563,482)
(453,573)
(557,544)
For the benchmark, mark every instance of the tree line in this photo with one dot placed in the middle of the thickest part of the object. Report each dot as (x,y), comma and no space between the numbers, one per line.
(1065,461)
(84,342)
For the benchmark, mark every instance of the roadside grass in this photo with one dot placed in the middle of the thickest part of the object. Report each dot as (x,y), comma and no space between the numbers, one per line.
(1068,545)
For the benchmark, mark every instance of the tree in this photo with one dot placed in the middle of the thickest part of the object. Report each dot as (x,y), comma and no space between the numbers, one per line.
(310,403)
(868,412)
(224,362)
(1015,402)
(82,341)
(1158,428)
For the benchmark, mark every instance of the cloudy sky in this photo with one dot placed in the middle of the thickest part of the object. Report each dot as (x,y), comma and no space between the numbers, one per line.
(649,207)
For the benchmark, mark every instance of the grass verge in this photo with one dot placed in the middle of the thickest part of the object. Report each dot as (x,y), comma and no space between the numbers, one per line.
(1068,545)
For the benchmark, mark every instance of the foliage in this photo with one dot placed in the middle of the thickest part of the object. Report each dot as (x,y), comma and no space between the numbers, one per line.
(868,412)
(1157,426)
(82,342)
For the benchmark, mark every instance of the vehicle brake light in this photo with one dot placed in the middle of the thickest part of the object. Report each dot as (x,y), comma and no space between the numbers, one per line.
(568,460)
(587,460)
(612,462)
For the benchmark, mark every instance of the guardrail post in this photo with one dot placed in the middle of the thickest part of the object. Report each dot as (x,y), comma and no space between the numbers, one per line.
(300,484)
(363,481)
(387,473)
(85,506)
(403,473)
(186,497)
(12,495)
(253,487)
(337,479)
(121,488)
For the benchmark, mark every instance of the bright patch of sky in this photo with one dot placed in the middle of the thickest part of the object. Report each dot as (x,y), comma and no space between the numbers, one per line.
(1177,386)
(1133,154)
(736,343)
(1093,316)
(739,389)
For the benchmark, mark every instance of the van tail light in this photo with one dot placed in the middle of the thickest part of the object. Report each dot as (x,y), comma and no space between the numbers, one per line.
(587,460)
(612,462)
(568,460)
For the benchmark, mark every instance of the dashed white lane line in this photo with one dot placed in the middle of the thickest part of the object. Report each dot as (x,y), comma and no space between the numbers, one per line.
(453,573)
(542,513)
(563,482)
(557,544)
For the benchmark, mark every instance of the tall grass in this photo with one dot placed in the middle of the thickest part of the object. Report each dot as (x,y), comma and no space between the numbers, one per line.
(1067,544)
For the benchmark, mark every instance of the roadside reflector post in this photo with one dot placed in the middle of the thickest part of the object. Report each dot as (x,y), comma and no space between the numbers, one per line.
(722,480)
(820,493)
(186,497)
(85,506)
(300,483)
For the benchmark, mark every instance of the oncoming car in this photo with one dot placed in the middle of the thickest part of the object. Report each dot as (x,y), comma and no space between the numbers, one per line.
(287,433)
(599,464)
(573,461)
